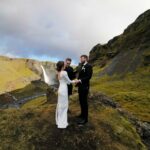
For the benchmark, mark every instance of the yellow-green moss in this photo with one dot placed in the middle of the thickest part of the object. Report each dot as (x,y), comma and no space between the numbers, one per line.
(131,91)
(14,74)
(33,127)
(37,102)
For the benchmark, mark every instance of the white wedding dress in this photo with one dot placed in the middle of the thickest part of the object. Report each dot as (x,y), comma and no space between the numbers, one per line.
(62,104)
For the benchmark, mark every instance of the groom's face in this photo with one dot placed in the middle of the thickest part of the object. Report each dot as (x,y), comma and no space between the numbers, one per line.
(83,60)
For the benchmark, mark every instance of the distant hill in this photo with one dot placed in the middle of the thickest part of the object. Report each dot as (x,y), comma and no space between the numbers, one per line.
(126,52)
(16,73)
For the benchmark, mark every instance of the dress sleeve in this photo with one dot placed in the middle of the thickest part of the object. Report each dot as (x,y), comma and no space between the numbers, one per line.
(67,78)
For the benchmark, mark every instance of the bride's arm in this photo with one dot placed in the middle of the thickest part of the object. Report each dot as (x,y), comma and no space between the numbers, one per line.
(67,78)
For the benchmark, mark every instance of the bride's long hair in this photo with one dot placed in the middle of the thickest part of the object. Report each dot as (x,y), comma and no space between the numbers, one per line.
(59,66)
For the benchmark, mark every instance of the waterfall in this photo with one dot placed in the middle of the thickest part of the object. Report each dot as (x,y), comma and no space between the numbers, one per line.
(48,78)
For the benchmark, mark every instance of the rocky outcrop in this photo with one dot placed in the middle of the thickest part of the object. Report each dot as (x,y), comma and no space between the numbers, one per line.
(126,52)
(143,128)
(51,94)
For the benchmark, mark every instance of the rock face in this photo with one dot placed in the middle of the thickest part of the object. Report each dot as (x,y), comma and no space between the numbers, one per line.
(51,95)
(126,52)
(23,72)
(49,67)
(35,66)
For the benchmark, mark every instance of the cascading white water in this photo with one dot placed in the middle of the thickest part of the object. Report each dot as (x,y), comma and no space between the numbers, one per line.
(48,78)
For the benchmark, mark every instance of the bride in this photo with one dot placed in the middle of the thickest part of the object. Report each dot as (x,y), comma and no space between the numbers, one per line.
(62,104)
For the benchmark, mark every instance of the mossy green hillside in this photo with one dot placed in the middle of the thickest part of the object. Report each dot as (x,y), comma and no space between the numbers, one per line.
(14,74)
(131,91)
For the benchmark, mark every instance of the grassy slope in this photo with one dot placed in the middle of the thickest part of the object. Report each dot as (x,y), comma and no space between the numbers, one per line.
(33,127)
(132,91)
(14,74)
(30,90)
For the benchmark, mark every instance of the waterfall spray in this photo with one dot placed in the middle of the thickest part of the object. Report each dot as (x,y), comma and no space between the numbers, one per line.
(49,78)
(46,78)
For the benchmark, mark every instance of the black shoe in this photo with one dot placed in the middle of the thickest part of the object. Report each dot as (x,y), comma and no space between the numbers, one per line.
(79,117)
(82,122)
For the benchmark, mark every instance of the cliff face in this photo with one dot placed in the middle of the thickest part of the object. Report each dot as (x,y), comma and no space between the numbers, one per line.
(126,52)
(49,67)
(17,73)
(35,66)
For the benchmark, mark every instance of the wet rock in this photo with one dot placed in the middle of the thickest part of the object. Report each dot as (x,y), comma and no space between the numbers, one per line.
(103,99)
(51,94)
(144,131)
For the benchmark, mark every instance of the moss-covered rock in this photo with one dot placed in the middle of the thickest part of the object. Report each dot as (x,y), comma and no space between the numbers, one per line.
(125,53)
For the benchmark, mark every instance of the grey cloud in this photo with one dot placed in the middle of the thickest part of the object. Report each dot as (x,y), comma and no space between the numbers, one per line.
(64,28)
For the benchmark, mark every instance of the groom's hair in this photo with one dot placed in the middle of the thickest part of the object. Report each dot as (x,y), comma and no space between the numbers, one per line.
(68,59)
(85,56)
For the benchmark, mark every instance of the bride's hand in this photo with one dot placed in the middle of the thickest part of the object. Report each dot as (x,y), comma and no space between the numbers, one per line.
(76,81)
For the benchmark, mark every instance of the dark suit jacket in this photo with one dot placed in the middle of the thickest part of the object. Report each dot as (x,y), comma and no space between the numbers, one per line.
(85,74)
(71,76)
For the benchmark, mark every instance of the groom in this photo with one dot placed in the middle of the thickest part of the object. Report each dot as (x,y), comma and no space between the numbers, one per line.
(85,72)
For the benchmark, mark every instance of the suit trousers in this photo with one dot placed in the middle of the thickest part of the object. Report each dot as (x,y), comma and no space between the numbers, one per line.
(83,99)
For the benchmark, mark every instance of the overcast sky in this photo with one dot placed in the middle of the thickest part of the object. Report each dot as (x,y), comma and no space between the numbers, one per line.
(56,29)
